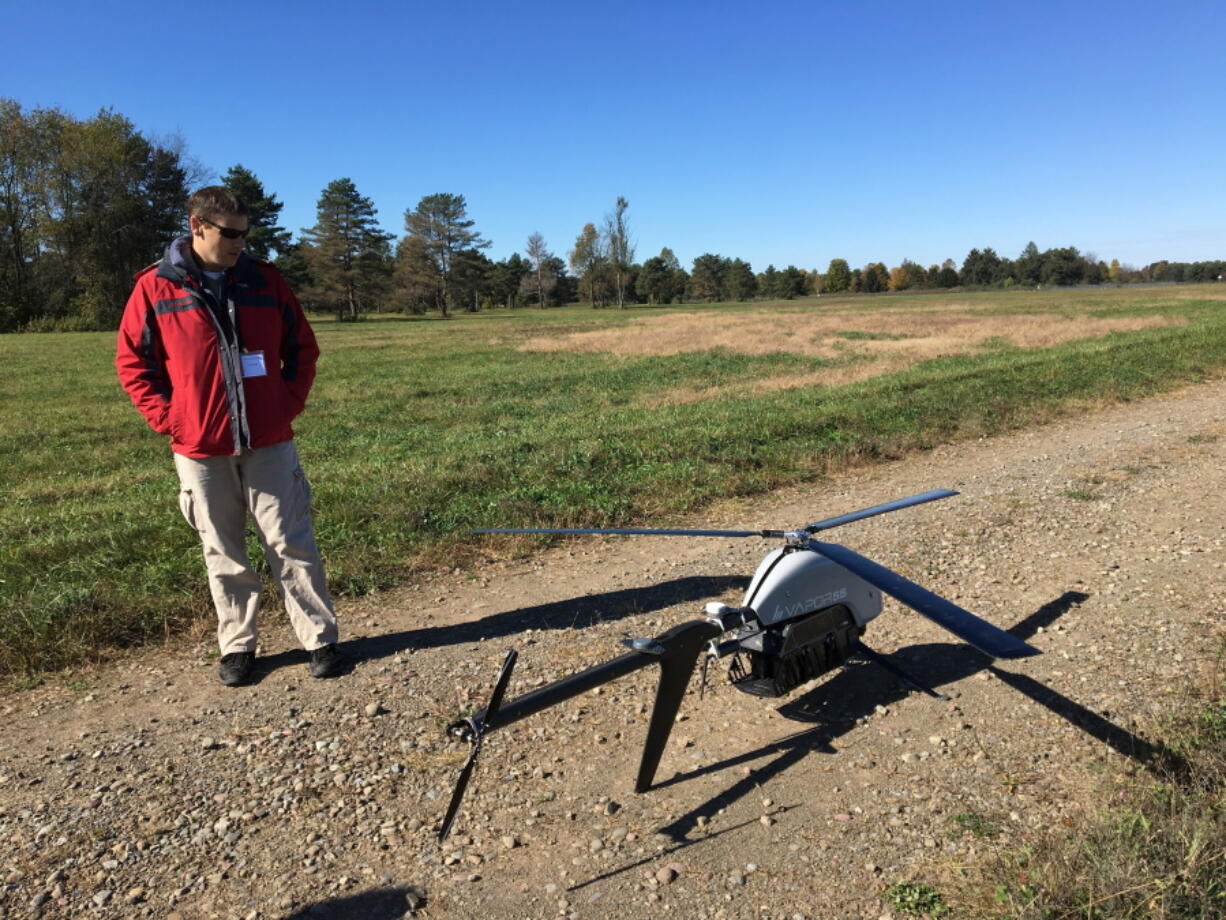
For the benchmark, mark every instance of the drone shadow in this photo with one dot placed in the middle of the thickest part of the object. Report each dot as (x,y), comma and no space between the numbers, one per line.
(573,613)
(854,692)
(857,689)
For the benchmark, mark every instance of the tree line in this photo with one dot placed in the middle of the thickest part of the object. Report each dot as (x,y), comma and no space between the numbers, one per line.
(345,264)
(86,203)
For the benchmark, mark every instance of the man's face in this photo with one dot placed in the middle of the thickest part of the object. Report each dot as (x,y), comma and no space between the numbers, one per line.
(211,246)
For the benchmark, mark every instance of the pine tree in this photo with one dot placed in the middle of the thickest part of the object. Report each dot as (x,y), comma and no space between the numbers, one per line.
(346,252)
(442,230)
(263,210)
(707,277)
(661,279)
(506,277)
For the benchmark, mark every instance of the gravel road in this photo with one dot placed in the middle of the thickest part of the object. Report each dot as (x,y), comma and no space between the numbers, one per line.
(145,789)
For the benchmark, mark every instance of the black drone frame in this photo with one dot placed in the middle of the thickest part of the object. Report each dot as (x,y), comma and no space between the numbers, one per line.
(676,651)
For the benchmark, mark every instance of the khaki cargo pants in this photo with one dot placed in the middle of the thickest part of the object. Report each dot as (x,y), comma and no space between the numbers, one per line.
(216,494)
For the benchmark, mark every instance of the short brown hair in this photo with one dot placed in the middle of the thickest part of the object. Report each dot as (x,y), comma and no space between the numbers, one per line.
(215,201)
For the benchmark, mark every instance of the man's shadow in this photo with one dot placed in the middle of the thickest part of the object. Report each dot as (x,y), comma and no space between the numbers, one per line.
(376,904)
(575,613)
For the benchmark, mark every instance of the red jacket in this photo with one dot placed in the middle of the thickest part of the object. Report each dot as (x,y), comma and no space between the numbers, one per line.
(184,367)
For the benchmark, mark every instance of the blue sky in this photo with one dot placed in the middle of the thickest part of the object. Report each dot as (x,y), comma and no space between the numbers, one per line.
(776,132)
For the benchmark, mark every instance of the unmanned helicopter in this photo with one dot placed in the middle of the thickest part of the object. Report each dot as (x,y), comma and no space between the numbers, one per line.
(802,615)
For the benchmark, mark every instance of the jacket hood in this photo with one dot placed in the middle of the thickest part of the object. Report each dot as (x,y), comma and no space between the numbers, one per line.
(178,264)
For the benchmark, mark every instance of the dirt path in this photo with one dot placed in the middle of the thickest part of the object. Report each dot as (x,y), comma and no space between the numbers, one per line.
(148,790)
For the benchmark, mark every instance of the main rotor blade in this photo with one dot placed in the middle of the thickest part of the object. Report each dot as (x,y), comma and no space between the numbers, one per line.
(650,531)
(989,639)
(880,509)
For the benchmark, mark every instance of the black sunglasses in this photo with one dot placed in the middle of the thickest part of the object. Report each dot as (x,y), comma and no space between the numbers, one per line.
(228,232)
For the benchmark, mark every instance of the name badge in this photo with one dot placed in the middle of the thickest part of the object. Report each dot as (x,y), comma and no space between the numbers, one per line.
(253,364)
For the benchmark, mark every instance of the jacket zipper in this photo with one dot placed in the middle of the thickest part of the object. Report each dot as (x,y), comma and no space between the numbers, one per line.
(231,372)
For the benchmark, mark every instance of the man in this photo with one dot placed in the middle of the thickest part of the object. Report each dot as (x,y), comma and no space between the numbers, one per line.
(216,353)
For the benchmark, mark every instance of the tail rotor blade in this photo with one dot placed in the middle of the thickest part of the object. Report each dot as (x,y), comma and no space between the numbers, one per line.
(457,795)
(477,727)
(860,515)
(989,639)
(500,689)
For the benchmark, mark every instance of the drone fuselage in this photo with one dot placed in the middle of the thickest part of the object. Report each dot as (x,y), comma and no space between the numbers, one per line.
(791,582)
(801,617)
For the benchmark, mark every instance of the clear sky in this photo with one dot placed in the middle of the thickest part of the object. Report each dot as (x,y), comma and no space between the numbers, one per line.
(777,132)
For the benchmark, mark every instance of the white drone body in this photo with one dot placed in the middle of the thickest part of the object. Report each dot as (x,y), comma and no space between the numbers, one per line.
(801,617)
(789,584)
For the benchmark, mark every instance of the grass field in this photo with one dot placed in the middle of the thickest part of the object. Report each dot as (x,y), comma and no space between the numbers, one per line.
(421,428)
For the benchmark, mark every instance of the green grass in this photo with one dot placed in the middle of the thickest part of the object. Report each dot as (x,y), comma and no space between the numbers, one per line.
(419,429)
(915,898)
(976,824)
(854,335)
(1081,495)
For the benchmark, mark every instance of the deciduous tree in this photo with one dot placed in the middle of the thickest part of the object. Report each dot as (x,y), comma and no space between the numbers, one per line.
(21,153)
(540,279)
(619,248)
(874,278)
(111,200)
(908,275)
(589,263)
(838,277)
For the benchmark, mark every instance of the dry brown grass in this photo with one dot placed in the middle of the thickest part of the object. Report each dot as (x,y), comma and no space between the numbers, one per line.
(864,345)
(932,333)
